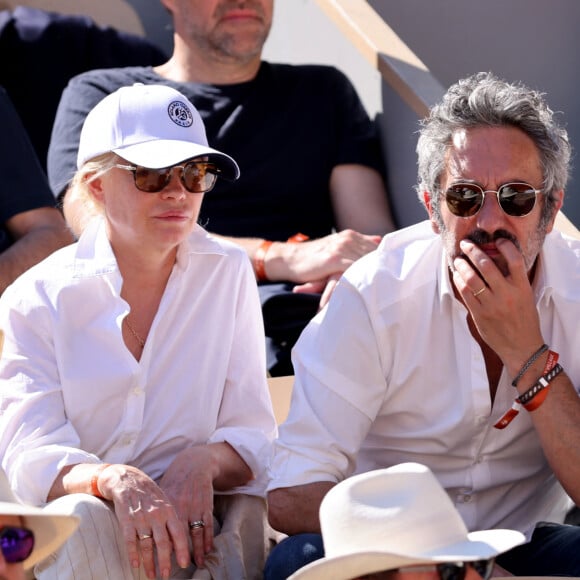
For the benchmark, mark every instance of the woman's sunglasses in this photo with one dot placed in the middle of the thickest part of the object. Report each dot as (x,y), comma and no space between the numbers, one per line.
(16,543)
(455,570)
(515,199)
(196,176)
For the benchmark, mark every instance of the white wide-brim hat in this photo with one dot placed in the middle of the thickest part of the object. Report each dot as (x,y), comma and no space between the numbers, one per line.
(153,126)
(395,517)
(51,528)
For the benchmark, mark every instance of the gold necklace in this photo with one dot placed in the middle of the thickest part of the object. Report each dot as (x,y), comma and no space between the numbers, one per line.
(135,334)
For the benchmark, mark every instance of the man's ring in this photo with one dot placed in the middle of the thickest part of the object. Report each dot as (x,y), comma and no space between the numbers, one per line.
(197,524)
(144,536)
(476,294)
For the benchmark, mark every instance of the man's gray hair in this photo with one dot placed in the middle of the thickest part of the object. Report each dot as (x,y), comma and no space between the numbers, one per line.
(485,100)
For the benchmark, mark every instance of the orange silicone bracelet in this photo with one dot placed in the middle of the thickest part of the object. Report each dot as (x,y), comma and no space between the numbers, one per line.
(259,260)
(95,480)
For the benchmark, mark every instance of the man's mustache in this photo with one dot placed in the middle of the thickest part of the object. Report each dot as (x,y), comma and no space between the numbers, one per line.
(481,237)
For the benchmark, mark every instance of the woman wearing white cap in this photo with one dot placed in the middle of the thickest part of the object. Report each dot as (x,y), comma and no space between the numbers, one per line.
(133,384)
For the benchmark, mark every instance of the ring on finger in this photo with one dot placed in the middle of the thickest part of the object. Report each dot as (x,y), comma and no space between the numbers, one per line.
(144,536)
(481,291)
(196,525)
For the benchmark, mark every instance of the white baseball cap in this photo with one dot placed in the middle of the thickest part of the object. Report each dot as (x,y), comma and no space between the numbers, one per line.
(395,517)
(153,126)
(51,527)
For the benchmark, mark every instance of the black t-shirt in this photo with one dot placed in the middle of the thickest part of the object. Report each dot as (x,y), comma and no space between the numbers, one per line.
(287,129)
(23,185)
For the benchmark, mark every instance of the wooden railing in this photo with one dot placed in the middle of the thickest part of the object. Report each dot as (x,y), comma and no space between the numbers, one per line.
(399,66)
(379,44)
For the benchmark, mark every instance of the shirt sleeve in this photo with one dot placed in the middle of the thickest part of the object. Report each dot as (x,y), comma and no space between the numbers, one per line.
(338,390)
(246,418)
(36,438)
(358,140)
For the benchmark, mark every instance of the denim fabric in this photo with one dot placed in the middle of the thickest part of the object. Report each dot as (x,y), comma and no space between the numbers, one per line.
(291,554)
(554,550)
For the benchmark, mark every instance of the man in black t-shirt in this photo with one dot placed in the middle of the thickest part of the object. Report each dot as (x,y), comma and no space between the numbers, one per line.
(309,157)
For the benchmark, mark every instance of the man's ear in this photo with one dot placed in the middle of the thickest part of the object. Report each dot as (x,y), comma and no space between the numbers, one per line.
(558,203)
(429,208)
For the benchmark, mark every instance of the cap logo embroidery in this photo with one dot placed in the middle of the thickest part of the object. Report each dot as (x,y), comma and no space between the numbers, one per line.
(180,114)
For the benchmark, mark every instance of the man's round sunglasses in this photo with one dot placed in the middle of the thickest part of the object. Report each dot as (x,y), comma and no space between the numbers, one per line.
(516,199)
(196,176)
(16,543)
(455,570)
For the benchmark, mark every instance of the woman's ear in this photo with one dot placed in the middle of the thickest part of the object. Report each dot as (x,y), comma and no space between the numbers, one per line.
(95,186)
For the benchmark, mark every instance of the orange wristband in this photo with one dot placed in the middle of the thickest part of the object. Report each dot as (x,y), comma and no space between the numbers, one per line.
(537,400)
(259,257)
(260,254)
(297,238)
(95,480)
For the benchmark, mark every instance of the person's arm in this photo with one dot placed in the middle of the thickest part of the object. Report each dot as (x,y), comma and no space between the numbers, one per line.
(311,260)
(360,201)
(339,381)
(294,510)
(141,507)
(507,320)
(27,210)
(190,481)
(37,233)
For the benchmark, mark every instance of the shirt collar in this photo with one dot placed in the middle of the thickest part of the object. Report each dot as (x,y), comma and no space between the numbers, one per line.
(94,255)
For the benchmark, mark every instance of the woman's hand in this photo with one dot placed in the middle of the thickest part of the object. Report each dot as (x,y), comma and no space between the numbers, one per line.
(147,518)
(188,483)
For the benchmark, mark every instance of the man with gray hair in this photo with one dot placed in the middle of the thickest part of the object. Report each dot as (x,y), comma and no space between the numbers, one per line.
(454,344)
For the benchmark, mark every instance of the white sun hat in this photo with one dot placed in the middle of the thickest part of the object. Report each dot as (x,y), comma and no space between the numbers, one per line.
(51,528)
(389,518)
(153,126)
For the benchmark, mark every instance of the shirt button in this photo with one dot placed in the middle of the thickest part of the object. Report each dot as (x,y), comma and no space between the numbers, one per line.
(137,391)
(127,440)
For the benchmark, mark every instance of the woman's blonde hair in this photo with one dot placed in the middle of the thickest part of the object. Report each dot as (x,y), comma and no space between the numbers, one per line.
(91,170)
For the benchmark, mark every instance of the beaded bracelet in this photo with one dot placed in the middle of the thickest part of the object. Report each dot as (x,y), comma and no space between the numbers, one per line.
(95,480)
(529,363)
